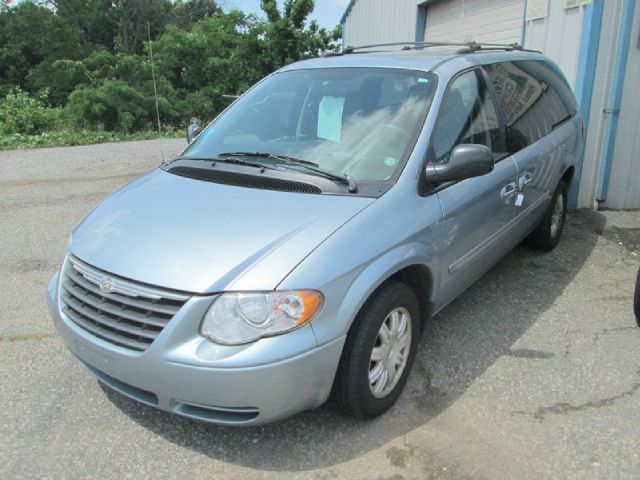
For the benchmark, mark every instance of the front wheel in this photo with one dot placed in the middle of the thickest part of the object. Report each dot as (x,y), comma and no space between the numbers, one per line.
(547,234)
(378,352)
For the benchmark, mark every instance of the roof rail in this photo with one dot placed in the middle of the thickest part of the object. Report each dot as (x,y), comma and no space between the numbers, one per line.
(468,47)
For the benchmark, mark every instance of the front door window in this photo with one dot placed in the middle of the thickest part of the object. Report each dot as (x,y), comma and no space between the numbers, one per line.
(467,115)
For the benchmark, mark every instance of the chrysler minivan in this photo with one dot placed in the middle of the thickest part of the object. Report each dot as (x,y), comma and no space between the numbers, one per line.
(296,248)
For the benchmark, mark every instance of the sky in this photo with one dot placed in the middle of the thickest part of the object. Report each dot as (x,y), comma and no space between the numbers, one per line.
(327,12)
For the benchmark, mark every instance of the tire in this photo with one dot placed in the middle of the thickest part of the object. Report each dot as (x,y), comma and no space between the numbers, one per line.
(353,391)
(636,299)
(547,234)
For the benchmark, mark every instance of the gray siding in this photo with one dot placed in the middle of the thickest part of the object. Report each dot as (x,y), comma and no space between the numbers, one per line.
(558,36)
(378,21)
(602,84)
(624,183)
(491,21)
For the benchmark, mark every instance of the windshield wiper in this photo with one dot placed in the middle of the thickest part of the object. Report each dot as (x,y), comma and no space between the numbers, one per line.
(198,159)
(234,161)
(352,186)
(237,161)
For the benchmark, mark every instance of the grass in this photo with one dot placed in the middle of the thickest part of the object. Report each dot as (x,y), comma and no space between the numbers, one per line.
(70,138)
(26,337)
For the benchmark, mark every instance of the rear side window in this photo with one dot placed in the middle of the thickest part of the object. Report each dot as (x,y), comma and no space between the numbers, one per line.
(467,115)
(534,97)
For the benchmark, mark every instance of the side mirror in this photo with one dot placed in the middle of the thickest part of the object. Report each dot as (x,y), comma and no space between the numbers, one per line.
(465,161)
(193,130)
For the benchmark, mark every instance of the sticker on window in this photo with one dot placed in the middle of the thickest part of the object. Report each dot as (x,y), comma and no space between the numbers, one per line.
(330,118)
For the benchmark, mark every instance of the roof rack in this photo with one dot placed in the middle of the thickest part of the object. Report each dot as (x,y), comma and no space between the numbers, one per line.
(467,47)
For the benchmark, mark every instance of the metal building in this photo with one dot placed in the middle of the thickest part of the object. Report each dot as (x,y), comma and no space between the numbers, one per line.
(598,48)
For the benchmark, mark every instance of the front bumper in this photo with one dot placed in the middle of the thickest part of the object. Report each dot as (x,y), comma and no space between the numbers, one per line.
(183,373)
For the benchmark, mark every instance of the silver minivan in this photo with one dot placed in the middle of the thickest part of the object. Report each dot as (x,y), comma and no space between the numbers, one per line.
(297,247)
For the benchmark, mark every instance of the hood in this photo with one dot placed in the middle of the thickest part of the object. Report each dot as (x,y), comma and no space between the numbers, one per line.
(202,237)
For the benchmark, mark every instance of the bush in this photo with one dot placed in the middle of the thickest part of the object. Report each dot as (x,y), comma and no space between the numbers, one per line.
(114,106)
(26,115)
(59,78)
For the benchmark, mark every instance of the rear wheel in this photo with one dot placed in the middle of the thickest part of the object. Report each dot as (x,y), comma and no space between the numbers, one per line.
(547,234)
(378,352)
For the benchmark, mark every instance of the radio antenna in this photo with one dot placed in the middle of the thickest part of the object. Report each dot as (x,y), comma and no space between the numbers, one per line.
(155,92)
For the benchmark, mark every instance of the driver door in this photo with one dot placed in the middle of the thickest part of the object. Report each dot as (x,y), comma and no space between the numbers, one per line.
(477,212)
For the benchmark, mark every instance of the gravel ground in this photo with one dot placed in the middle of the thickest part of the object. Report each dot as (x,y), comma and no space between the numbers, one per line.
(533,373)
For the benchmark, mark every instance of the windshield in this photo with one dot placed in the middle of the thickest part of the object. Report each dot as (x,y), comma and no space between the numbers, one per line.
(360,122)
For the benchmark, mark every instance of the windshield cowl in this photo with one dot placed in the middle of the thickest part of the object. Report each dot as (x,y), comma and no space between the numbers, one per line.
(278,179)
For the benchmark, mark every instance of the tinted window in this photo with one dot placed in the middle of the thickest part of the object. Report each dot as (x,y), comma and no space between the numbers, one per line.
(467,115)
(534,97)
(357,121)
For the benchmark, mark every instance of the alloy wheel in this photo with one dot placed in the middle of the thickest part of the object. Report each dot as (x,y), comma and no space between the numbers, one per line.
(390,352)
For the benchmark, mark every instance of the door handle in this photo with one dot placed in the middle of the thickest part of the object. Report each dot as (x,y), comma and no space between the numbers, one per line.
(525,180)
(508,191)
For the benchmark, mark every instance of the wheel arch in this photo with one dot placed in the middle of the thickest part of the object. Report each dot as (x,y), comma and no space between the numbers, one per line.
(411,264)
(419,279)
(567,176)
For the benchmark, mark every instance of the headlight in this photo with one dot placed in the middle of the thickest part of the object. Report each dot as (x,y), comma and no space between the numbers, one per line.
(237,318)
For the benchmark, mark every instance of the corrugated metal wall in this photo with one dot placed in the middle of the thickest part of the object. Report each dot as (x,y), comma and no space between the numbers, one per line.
(378,21)
(491,21)
(558,36)
(624,183)
(602,84)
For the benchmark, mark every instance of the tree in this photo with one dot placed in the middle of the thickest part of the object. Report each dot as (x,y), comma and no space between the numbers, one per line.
(30,35)
(186,13)
(117,106)
(288,39)
(225,53)
(59,78)
(93,56)
(134,16)
(96,19)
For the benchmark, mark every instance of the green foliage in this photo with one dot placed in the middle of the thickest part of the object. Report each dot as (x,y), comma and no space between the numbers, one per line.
(289,41)
(30,35)
(116,105)
(185,14)
(72,65)
(214,54)
(96,20)
(136,17)
(59,78)
(20,113)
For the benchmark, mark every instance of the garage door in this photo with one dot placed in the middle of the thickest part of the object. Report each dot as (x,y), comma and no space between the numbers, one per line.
(489,21)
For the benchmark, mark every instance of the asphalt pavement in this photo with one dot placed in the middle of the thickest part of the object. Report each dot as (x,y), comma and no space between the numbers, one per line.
(533,373)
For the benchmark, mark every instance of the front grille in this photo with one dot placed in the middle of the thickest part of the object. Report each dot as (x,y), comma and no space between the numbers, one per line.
(122,312)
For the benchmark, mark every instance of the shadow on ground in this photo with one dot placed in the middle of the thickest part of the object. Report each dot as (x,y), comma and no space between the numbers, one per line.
(458,345)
